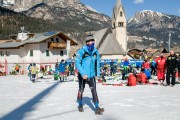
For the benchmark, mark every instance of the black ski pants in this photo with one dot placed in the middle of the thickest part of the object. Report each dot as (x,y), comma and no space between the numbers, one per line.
(170,73)
(92,85)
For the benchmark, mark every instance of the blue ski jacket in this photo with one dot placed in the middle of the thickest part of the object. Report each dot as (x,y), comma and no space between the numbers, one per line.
(62,67)
(88,63)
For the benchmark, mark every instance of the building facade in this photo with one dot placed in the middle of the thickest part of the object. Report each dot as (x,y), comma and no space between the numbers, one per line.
(41,48)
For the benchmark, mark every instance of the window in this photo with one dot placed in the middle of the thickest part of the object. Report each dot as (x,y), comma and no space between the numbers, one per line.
(121,13)
(52,39)
(47,52)
(57,39)
(114,25)
(1,53)
(61,53)
(31,53)
(120,24)
(7,53)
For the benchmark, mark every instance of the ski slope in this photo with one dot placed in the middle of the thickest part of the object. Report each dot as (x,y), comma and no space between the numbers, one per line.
(20,99)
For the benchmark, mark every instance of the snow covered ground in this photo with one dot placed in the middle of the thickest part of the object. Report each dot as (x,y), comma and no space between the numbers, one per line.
(47,99)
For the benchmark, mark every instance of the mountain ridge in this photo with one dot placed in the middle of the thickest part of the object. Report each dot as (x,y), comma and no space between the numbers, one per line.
(76,18)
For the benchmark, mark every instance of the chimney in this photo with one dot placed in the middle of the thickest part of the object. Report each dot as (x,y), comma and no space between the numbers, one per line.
(22,35)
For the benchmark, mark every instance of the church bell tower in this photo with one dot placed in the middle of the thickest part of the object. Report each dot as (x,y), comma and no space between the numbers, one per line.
(119,24)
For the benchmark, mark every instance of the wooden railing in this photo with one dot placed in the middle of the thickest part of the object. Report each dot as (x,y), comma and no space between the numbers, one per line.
(52,45)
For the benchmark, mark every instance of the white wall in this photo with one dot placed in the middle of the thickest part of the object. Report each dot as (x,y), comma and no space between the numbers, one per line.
(121,32)
(54,54)
(22,55)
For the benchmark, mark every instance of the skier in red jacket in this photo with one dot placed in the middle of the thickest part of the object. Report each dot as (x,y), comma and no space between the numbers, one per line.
(161,65)
(146,64)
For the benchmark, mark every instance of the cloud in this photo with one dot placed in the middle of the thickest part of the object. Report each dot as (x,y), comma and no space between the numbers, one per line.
(138,1)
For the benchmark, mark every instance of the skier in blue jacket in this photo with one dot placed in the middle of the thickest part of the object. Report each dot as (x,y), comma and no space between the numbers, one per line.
(88,66)
(62,68)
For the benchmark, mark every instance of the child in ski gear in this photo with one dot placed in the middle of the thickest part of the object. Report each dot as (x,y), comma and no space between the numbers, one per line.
(62,68)
(17,67)
(88,66)
(33,72)
(153,67)
(29,69)
(146,64)
(125,69)
(131,80)
(141,77)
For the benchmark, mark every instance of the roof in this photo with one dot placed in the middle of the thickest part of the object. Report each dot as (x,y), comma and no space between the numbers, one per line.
(110,46)
(9,45)
(38,38)
(2,41)
(151,50)
(135,49)
(98,35)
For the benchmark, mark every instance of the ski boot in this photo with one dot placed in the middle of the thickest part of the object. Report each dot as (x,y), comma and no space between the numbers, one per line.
(99,111)
(33,80)
(80,108)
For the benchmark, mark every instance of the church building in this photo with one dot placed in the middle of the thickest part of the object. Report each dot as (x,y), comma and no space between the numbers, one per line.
(112,42)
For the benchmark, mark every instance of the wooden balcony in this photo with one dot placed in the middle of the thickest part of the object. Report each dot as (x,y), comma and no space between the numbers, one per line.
(52,45)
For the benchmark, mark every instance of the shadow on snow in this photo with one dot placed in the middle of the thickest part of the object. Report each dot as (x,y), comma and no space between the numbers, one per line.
(20,112)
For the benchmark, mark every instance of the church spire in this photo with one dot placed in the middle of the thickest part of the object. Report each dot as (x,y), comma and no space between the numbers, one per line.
(118,3)
(116,8)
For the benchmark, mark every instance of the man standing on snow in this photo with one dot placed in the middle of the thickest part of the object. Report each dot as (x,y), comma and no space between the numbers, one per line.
(171,66)
(88,66)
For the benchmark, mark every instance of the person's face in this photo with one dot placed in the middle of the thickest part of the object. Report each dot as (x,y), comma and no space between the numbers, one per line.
(172,53)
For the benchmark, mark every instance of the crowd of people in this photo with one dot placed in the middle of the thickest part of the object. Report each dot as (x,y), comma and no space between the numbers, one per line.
(159,67)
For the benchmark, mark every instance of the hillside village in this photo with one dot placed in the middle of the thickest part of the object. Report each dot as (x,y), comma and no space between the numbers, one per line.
(138,38)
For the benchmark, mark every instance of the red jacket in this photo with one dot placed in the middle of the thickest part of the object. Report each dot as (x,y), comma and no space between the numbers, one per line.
(146,65)
(161,63)
(131,80)
(141,77)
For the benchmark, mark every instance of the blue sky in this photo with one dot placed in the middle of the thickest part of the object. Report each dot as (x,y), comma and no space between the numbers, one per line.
(132,6)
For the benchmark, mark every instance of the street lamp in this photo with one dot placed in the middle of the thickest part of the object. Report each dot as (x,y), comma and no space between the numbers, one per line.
(169,43)
(150,25)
